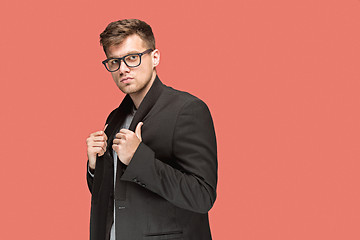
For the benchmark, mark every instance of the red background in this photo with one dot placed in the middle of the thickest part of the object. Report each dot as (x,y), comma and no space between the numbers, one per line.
(280,77)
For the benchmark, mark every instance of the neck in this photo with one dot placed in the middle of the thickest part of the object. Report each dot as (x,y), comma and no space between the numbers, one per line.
(139,96)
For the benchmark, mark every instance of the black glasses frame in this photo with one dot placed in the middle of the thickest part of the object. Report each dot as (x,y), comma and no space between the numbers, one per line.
(123,59)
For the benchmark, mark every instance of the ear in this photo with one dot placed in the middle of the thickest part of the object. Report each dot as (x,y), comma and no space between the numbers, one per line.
(155,57)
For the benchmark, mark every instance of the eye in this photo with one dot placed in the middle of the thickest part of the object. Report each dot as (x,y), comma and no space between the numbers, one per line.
(132,58)
(113,62)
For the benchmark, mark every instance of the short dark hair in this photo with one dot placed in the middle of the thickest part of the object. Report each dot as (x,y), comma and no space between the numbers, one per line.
(116,32)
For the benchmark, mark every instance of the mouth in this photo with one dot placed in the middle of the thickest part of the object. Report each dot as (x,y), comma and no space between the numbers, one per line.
(126,80)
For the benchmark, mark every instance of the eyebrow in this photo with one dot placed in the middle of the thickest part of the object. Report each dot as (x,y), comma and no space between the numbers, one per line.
(131,52)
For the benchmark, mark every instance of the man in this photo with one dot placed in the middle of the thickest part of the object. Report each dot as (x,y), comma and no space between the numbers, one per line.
(153,171)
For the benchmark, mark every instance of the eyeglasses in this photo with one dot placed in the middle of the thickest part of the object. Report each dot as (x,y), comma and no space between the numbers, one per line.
(131,60)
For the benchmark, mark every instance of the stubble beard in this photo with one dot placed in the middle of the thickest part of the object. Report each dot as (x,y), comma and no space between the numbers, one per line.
(127,89)
(133,88)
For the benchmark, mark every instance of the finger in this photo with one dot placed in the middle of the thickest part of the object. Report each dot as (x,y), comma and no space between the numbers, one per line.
(104,146)
(91,140)
(104,131)
(98,133)
(115,147)
(118,141)
(97,150)
(138,130)
(120,136)
(103,150)
(99,139)
(97,144)
(125,131)
(101,153)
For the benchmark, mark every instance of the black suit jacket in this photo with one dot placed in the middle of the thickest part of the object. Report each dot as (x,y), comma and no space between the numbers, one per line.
(170,184)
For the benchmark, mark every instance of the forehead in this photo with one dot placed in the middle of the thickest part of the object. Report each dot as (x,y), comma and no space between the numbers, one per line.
(131,44)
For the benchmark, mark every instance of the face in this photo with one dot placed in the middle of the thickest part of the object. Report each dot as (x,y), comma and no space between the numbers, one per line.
(134,81)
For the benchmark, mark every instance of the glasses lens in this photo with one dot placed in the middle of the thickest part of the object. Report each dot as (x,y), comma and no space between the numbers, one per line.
(132,60)
(113,64)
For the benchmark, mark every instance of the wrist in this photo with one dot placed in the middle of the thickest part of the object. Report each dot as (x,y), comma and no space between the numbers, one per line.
(91,167)
(92,162)
(91,170)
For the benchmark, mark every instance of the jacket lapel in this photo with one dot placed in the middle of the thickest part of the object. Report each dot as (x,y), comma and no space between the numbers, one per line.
(116,121)
(147,103)
(145,106)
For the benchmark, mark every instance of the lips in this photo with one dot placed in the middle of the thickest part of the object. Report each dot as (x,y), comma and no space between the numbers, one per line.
(126,80)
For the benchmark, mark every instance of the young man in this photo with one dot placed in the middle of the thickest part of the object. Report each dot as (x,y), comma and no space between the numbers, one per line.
(153,171)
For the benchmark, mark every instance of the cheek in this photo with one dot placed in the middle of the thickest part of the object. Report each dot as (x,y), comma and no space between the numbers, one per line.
(114,76)
(148,68)
(145,72)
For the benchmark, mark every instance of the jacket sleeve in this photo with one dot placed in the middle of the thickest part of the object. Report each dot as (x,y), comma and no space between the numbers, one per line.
(192,183)
(90,177)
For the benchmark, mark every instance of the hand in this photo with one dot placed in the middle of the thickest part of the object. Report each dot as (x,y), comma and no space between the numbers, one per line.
(126,142)
(96,145)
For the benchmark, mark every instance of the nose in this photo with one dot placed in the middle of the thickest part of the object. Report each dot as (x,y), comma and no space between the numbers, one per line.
(123,67)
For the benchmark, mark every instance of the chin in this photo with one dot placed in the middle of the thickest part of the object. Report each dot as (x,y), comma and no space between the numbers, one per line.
(128,89)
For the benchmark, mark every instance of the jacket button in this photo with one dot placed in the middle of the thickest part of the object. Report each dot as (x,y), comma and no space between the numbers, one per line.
(135,180)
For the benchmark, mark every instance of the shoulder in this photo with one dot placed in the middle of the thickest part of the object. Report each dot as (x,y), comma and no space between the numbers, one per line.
(181,98)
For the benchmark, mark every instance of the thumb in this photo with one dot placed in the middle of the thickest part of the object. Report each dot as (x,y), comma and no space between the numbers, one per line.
(138,130)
